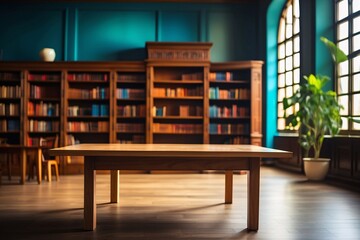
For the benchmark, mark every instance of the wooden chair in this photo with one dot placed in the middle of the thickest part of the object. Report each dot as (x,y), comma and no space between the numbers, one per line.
(48,161)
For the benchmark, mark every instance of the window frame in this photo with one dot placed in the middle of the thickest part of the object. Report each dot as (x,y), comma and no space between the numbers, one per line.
(349,18)
(283,85)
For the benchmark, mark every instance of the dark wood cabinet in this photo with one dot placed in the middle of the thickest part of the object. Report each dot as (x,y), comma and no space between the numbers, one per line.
(344,152)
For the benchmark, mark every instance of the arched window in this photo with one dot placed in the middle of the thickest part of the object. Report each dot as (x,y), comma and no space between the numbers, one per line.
(348,73)
(288,57)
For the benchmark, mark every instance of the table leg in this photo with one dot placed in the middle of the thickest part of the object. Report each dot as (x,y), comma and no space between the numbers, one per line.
(23,166)
(39,165)
(89,195)
(228,186)
(253,194)
(114,186)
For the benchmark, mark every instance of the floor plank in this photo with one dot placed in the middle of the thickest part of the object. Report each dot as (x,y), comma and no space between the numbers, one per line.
(180,206)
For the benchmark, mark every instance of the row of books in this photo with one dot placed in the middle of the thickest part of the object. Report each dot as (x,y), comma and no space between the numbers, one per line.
(9,125)
(181,111)
(10,109)
(233,111)
(10,76)
(95,110)
(43,126)
(131,111)
(10,91)
(88,77)
(33,141)
(43,109)
(134,139)
(130,127)
(177,92)
(229,128)
(44,77)
(50,92)
(41,141)
(222,76)
(98,126)
(237,93)
(177,128)
(136,77)
(94,93)
(129,93)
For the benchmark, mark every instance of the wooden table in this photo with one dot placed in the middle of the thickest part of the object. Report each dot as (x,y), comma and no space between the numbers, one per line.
(170,157)
(22,151)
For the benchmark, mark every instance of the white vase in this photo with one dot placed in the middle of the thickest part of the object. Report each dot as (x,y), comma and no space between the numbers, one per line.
(47,54)
(316,169)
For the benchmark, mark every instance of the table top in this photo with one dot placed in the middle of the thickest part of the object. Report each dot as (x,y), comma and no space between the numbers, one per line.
(171,150)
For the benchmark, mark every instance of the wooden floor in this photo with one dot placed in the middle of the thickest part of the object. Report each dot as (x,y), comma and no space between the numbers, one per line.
(181,206)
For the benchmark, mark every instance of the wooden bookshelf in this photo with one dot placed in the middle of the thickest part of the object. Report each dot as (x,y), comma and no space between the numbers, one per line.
(42,101)
(130,102)
(235,110)
(177,76)
(172,100)
(11,89)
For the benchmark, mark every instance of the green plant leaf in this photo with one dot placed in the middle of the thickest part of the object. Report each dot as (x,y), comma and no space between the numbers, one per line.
(337,54)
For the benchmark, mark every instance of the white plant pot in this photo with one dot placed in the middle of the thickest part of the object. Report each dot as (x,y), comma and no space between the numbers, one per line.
(316,169)
(47,54)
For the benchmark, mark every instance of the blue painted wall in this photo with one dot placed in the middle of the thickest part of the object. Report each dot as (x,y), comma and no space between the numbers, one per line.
(118,31)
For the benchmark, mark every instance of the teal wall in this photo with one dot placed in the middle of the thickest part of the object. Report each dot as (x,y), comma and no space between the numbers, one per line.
(273,16)
(118,31)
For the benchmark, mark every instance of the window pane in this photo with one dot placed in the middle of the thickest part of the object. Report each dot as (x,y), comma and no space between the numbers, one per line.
(356,126)
(296,26)
(289,80)
(343,85)
(296,87)
(356,43)
(289,48)
(297,44)
(289,91)
(289,111)
(297,75)
(281,37)
(344,68)
(342,9)
(297,107)
(281,66)
(356,82)
(297,60)
(356,24)
(296,8)
(356,5)
(281,95)
(345,125)
(356,64)
(282,50)
(344,46)
(280,110)
(289,14)
(281,80)
(344,100)
(343,30)
(281,124)
(289,64)
(289,32)
(356,104)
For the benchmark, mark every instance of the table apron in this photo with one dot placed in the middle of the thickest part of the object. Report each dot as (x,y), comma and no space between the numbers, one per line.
(169,163)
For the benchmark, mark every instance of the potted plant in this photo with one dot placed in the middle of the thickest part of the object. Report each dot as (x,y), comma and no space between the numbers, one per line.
(318,114)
